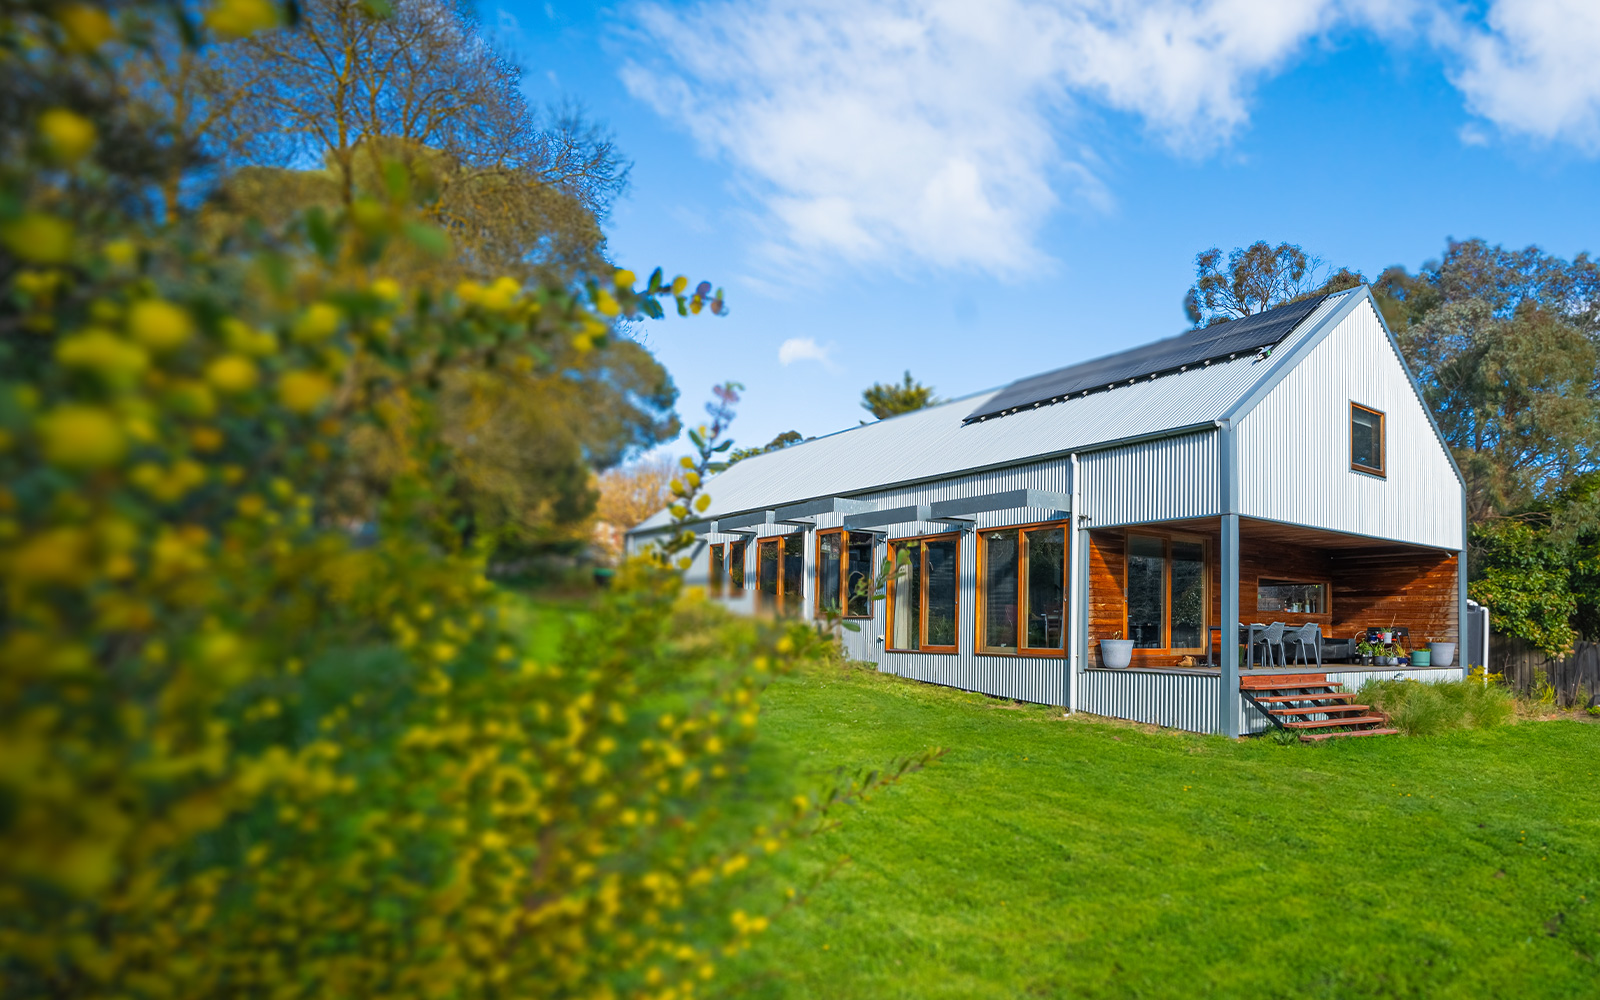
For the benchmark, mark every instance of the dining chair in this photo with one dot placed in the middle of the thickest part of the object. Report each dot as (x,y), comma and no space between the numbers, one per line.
(1271,638)
(1306,637)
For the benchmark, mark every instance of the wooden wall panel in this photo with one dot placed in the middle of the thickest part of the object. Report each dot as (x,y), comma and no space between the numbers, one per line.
(1377,587)
(1370,586)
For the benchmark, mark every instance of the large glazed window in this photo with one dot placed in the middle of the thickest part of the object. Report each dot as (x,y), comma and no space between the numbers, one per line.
(1167,593)
(735,557)
(844,573)
(924,593)
(717,577)
(1147,591)
(1022,600)
(1366,439)
(780,573)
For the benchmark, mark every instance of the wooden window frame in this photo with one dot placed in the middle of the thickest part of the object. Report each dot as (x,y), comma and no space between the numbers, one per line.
(844,572)
(1206,569)
(717,583)
(1326,583)
(782,595)
(1381,470)
(727,588)
(922,603)
(980,592)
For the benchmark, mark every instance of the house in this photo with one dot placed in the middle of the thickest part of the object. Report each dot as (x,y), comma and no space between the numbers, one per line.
(1280,467)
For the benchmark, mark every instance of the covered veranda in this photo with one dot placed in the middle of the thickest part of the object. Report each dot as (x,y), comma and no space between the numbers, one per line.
(1174,587)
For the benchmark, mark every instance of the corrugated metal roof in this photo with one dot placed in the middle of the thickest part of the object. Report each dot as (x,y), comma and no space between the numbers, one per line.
(1194,347)
(938,442)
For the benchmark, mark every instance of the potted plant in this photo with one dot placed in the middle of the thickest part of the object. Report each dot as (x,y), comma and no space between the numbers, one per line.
(1422,657)
(1366,651)
(1443,653)
(1400,654)
(1116,652)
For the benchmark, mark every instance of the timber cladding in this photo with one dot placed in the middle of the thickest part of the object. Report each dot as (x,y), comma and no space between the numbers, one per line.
(1371,586)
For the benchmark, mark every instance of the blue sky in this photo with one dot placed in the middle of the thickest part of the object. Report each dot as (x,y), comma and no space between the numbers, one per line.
(982,191)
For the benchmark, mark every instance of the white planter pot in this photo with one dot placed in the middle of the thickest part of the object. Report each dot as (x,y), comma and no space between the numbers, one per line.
(1116,653)
(1444,653)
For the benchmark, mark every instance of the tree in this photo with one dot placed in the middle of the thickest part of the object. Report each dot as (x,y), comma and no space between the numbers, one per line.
(886,399)
(1257,278)
(629,495)
(787,439)
(416,106)
(1506,346)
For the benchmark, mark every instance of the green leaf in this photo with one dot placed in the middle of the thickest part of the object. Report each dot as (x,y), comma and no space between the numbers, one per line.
(429,239)
(320,231)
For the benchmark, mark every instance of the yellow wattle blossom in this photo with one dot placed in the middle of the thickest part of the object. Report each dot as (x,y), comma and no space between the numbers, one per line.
(66,135)
(387,289)
(38,238)
(319,322)
(82,437)
(86,26)
(625,278)
(242,18)
(159,325)
(117,361)
(502,295)
(232,374)
(303,391)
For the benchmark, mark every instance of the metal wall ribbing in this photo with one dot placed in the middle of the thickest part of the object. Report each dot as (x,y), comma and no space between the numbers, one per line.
(1162,480)
(1294,446)
(1178,701)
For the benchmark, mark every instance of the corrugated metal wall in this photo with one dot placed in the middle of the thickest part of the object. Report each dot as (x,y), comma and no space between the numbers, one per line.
(1034,679)
(1177,701)
(1161,480)
(1294,446)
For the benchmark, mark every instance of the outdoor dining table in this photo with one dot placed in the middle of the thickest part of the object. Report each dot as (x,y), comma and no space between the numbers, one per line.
(1247,638)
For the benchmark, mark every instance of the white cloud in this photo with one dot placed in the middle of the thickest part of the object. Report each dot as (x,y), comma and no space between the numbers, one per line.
(1533,68)
(805,349)
(944,132)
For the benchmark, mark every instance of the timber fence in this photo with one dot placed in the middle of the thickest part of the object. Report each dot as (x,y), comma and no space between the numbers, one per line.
(1575,677)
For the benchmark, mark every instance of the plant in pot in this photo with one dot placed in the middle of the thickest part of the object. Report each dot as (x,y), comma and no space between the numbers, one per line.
(1443,654)
(1116,652)
(1366,651)
(1400,654)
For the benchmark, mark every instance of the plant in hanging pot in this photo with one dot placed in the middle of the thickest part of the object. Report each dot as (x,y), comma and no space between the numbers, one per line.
(1116,652)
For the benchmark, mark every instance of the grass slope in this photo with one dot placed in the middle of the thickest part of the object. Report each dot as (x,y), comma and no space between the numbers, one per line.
(1052,857)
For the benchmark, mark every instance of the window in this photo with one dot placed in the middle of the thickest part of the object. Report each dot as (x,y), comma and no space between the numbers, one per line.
(727,568)
(1292,596)
(923,593)
(1166,593)
(844,573)
(1366,439)
(780,572)
(1022,605)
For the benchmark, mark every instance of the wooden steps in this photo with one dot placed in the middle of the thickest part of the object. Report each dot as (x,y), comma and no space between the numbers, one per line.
(1319,710)
(1290,701)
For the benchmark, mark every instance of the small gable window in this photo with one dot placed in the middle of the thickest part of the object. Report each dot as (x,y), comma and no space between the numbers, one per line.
(1366,439)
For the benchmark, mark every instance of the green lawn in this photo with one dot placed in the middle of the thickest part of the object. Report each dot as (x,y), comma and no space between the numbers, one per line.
(1053,857)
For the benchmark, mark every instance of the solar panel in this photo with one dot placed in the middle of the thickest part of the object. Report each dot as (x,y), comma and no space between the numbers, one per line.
(1207,343)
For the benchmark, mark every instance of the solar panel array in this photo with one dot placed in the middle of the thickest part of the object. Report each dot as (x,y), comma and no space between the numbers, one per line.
(1196,347)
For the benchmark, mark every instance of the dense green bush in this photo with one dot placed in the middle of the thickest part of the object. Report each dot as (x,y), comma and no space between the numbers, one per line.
(1425,709)
(265,727)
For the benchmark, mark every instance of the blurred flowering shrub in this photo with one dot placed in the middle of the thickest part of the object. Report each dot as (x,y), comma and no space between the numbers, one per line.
(265,729)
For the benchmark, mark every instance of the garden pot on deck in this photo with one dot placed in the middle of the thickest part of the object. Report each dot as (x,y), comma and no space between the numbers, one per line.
(1422,657)
(1116,653)
(1444,653)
